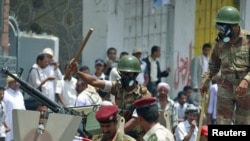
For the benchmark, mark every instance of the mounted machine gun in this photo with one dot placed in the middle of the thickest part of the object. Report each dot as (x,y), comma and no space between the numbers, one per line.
(62,123)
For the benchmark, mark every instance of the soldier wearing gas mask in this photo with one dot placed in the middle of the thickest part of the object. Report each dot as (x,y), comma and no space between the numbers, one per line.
(231,57)
(126,89)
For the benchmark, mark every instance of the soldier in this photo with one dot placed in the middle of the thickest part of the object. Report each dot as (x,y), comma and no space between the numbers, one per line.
(126,90)
(149,122)
(108,119)
(231,56)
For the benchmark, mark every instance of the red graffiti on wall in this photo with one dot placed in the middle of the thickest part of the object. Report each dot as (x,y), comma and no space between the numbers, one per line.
(182,72)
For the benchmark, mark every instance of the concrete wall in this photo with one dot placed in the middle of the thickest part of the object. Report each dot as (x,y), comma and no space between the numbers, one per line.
(107,19)
(129,24)
(61,18)
(30,45)
(245,14)
(183,43)
(7,62)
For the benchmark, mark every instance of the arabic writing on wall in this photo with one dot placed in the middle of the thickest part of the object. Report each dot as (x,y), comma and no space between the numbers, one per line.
(182,74)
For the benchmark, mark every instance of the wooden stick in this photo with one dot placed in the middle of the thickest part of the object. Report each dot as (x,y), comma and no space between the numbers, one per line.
(205,79)
(78,54)
(201,115)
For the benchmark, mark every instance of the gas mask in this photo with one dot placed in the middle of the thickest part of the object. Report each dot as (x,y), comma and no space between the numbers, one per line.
(225,31)
(127,81)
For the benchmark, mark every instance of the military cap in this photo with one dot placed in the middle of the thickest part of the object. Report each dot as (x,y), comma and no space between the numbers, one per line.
(144,102)
(191,109)
(107,114)
(204,130)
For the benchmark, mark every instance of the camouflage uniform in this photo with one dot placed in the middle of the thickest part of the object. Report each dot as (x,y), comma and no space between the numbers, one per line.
(125,100)
(118,137)
(233,62)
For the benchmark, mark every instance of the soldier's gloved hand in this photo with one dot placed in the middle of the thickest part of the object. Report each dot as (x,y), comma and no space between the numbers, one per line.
(241,90)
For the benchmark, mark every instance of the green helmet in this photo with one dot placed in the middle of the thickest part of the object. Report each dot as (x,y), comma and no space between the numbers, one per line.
(229,15)
(129,63)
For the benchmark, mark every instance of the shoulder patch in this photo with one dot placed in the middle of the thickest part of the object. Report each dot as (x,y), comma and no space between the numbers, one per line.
(153,137)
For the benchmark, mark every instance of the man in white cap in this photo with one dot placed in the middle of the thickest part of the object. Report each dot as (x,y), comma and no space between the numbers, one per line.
(142,77)
(52,70)
(13,99)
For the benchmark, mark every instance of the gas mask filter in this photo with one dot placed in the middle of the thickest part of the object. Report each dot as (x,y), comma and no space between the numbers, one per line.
(225,31)
(127,81)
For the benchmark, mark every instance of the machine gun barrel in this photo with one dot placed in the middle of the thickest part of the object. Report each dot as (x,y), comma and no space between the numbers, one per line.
(36,94)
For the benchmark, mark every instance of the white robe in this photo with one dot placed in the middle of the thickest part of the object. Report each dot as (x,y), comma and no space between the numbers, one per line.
(12,100)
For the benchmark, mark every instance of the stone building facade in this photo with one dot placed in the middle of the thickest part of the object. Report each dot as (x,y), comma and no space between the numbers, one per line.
(61,18)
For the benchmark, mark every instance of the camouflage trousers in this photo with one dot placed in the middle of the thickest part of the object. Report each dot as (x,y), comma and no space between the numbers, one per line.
(227,99)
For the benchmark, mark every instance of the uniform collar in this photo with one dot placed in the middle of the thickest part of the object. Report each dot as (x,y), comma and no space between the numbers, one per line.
(136,90)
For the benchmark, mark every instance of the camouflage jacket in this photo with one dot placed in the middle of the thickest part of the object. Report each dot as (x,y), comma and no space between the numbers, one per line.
(232,57)
(125,99)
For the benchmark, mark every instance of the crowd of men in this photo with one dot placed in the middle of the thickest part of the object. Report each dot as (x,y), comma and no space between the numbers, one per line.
(131,88)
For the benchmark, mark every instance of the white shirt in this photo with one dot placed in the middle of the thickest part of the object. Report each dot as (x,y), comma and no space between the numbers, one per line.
(102,77)
(205,63)
(180,110)
(213,100)
(114,75)
(83,99)
(36,76)
(153,69)
(2,119)
(183,129)
(12,100)
(51,85)
(162,133)
(140,76)
(67,90)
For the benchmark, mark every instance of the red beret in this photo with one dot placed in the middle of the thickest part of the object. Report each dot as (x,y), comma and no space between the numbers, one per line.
(107,113)
(144,102)
(204,130)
